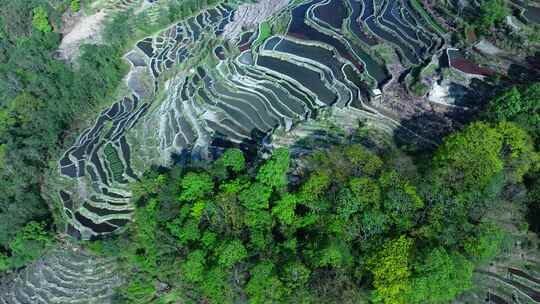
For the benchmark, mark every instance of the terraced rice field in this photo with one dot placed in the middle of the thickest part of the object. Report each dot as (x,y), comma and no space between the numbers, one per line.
(507,285)
(530,11)
(65,275)
(215,90)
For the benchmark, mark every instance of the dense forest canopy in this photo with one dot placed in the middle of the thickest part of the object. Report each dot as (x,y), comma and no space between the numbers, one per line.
(357,219)
(40,98)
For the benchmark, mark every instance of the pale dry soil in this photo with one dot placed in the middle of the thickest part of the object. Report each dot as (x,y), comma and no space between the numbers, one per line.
(86,29)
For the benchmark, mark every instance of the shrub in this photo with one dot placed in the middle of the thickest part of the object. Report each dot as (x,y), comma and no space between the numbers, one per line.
(418,88)
(40,20)
(75,5)
(471,158)
(265,31)
(29,244)
(492,12)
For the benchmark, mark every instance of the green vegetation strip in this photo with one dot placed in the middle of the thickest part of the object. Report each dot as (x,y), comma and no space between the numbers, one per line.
(265,31)
(115,164)
(420,8)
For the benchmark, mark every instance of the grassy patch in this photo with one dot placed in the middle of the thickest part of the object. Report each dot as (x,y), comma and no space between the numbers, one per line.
(265,31)
(449,73)
(297,2)
(429,70)
(385,53)
(115,164)
(418,88)
(418,6)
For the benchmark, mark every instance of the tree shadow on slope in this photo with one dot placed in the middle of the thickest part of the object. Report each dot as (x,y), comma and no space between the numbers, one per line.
(474,96)
(533,206)
(528,72)
(533,217)
(426,129)
(217,147)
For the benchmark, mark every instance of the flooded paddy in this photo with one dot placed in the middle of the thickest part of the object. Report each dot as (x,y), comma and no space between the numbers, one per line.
(237,93)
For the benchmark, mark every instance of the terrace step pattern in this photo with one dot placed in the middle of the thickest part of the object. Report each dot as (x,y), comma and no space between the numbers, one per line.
(241,98)
(225,98)
(394,22)
(514,275)
(121,5)
(178,43)
(100,160)
(64,275)
(517,286)
(397,22)
(102,154)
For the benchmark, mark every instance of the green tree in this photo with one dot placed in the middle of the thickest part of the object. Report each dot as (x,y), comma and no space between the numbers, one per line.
(144,253)
(373,223)
(196,186)
(209,239)
(521,106)
(507,105)
(29,244)
(336,254)
(284,210)
(391,269)
(256,196)
(518,151)
(4,262)
(215,287)
(296,275)
(231,253)
(486,243)
(400,201)
(139,290)
(242,235)
(347,203)
(2,155)
(185,231)
(40,98)
(40,20)
(148,184)
(260,220)
(470,158)
(193,268)
(234,158)
(198,209)
(361,161)
(315,187)
(367,191)
(531,97)
(264,285)
(75,5)
(492,12)
(440,277)
(274,172)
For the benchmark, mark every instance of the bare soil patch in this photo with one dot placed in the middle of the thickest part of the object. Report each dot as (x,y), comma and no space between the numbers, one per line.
(78,30)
